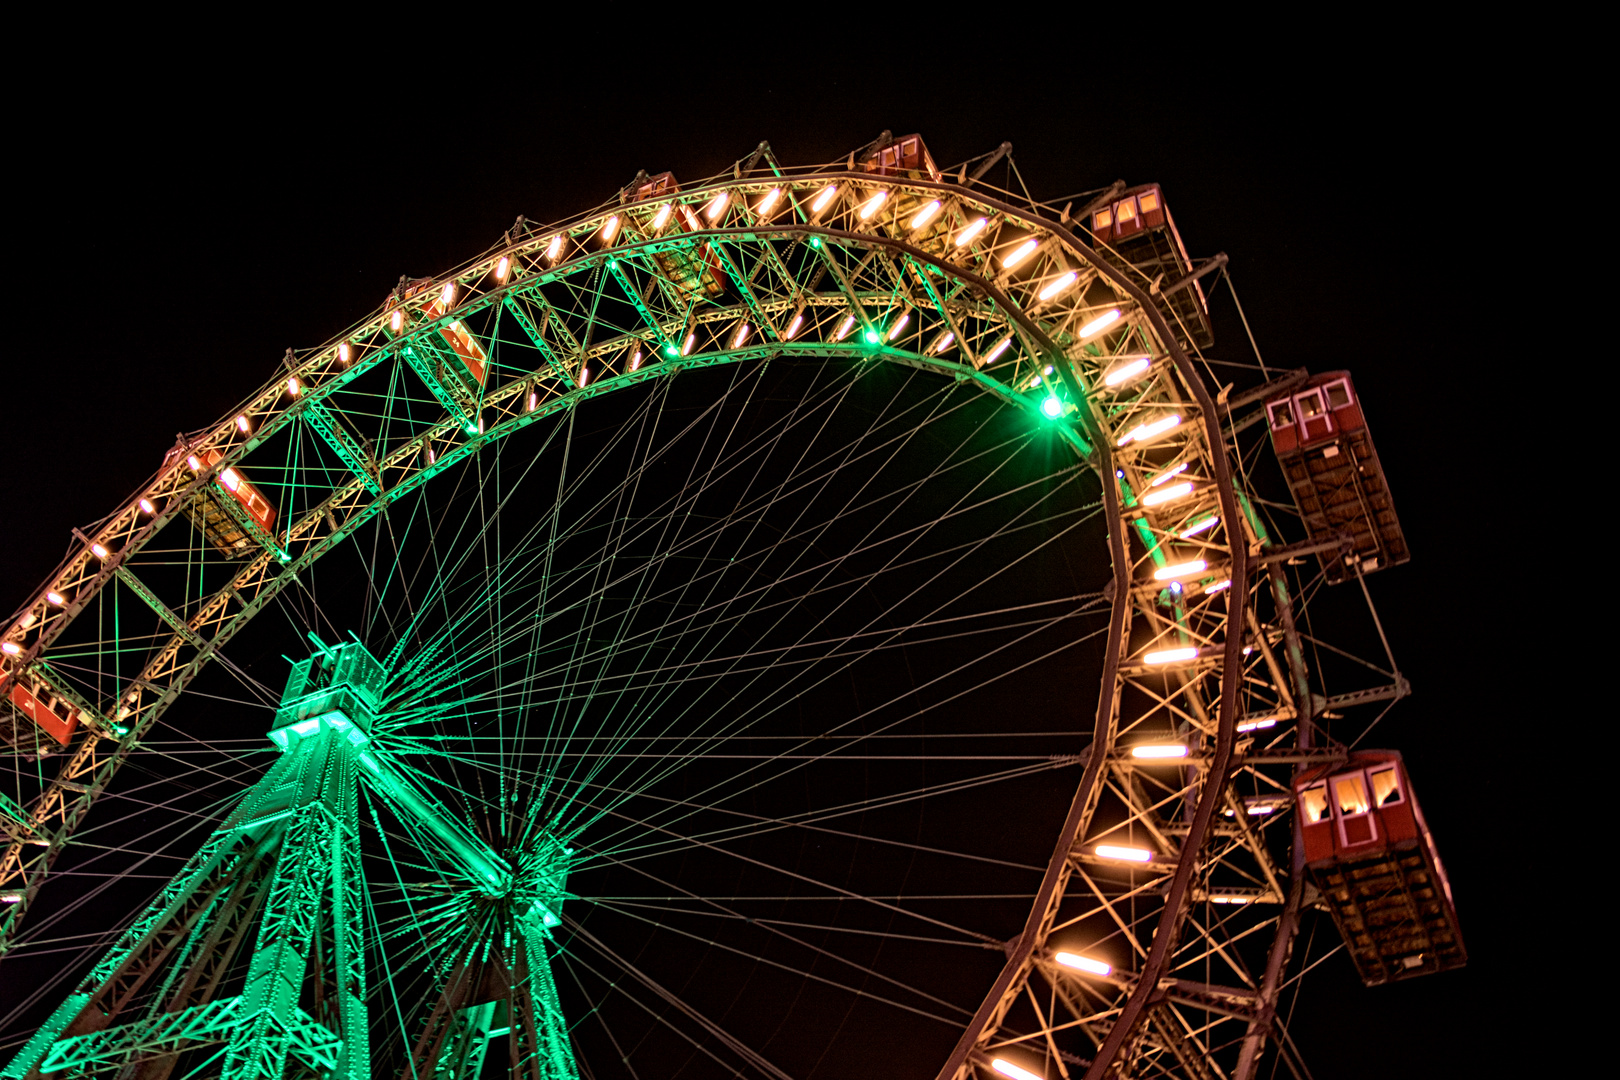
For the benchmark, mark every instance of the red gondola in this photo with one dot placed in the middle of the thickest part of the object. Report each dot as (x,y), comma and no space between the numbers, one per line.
(690,271)
(1322,442)
(56,717)
(1368,849)
(228,531)
(905,157)
(1135,229)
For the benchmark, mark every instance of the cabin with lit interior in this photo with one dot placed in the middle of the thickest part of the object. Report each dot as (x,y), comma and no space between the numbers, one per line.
(459,360)
(1369,852)
(233,514)
(29,702)
(1321,440)
(1134,230)
(905,157)
(688,270)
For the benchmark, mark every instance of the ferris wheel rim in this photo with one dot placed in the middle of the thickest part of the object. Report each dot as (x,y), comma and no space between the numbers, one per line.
(1161,329)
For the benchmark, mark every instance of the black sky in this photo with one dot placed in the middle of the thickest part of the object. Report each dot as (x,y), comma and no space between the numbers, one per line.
(181,224)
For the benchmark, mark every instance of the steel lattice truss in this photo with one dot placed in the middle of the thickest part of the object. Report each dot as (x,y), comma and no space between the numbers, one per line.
(1176,846)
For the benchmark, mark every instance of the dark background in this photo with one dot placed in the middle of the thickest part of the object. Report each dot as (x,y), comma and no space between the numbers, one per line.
(182,222)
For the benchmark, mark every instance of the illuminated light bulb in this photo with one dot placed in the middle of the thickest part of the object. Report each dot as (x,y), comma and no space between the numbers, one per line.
(661,218)
(1180,570)
(1019,254)
(1231,899)
(1255,811)
(609,228)
(1052,407)
(11,648)
(584,377)
(672,349)
(1169,474)
(1059,285)
(98,551)
(344,353)
(554,248)
(1007,1068)
(1257,725)
(1194,530)
(1002,346)
(54,597)
(1126,371)
(742,336)
(147,507)
(242,424)
(691,339)
(398,321)
(768,201)
(793,327)
(965,237)
(943,343)
(503,267)
(635,361)
(1171,656)
(925,215)
(717,206)
(534,399)
(1125,854)
(1083,963)
(1159,751)
(431,456)
(195,462)
(899,325)
(231,478)
(844,327)
(873,205)
(1100,323)
(1168,494)
(1143,432)
(824,198)
(292,386)
(448,296)
(873,336)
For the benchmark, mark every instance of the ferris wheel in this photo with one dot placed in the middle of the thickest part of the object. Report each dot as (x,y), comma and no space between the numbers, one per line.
(809,622)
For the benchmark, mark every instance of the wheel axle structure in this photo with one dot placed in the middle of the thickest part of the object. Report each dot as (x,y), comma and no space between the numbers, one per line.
(407,889)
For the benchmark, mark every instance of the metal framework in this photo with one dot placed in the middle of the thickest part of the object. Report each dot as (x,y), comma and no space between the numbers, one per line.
(1173,859)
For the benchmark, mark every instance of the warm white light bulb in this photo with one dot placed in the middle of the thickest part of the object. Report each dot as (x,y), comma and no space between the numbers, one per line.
(1144,431)
(242,424)
(1170,656)
(793,327)
(1126,371)
(742,336)
(943,343)
(147,507)
(769,201)
(501,269)
(844,327)
(1202,526)
(900,324)
(56,598)
(873,205)
(1158,751)
(967,235)
(1002,346)
(1007,1068)
(398,320)
(717,206)
(1059,285)
(554,248)
(925,215)
(824,198)
(1179,570)
(1125,854)
(609,227)
(1083,963)
(661,218)
(448,295)
(1168,494)
(1019,254)
(1100,323)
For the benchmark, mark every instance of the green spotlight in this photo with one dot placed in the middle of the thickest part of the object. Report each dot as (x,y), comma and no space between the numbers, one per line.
(1052,407)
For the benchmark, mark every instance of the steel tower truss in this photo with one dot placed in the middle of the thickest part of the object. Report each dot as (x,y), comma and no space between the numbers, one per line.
(1173,869)
(272,908)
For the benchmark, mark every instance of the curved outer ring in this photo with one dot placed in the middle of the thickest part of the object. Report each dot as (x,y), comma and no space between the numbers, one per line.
(254,588)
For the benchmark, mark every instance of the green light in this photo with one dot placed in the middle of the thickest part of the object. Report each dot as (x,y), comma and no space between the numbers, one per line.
(612,263)
(873,337)
(1052,407)
(815,241)
(472,429)
(672,349)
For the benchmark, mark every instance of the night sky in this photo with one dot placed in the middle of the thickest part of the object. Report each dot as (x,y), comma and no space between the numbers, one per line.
(174,241)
